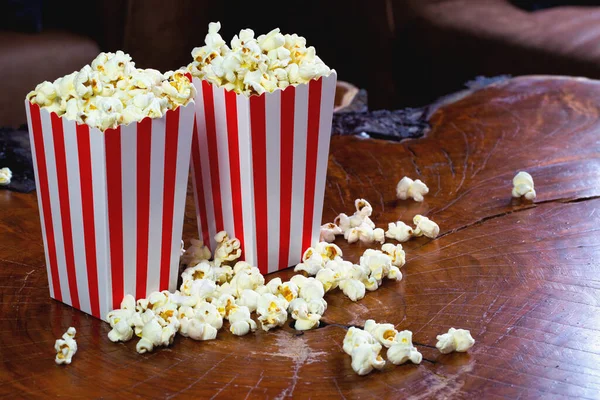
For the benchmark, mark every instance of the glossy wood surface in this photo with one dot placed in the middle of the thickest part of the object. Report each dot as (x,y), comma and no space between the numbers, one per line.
(523,278)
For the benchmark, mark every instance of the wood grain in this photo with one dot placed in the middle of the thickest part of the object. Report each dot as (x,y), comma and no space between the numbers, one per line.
(524,278)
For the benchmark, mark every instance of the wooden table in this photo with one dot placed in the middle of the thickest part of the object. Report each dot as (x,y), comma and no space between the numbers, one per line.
(523,278)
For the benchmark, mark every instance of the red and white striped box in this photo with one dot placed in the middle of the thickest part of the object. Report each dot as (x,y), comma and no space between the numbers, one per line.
(111,205)
(259,165)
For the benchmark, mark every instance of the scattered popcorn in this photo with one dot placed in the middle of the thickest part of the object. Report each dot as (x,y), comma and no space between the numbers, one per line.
(152,336)
(408,188)
(399,231)
(304,319)
(121,321)
(225,305)
(245,276)
(241,322)
(111,91)
(523,186)
(5,176)
(66,347)
(227,249)
(397,255)
(366,357)
(195,329)
(377,262)
(402,350)
(384,333)
(459,340)
(355,337)
(353,288)
(255,65)
(312,289)
(248,298)
(329,232)
(272,311)
(196,253)
(329,278)
(425,227)
(208,313)
(359,226)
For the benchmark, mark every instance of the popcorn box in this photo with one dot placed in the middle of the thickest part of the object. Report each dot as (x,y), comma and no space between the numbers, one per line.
(259,165)
(111,205)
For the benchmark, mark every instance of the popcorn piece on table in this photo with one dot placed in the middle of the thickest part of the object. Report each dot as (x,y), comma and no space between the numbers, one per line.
(402,350)
(248,298)
(194,324)
(66,347)
(305,320)
(272,311)
(329,231)
(425,227)
(397,255)
(459,340)
(196,253)
(311,289)
(121,320)
(355,337)
(245,276)
(377,262)
(384,333)
(353,288)
(329,278)
(227,249)
(208,313)
(5,176)
(523,186)
(241,322)
(366,357)
(399,231)
(153,335)
(408,188)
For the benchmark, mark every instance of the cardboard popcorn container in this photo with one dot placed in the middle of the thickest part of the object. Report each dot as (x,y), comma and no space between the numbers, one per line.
(111,205)
(259,165)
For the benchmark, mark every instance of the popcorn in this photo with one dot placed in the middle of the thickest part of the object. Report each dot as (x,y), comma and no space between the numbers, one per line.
(140,319)
(248,298)
(111,91)
(288,291)
(399,231)
(227,249)
(377,262)
(355,337)
(209,313)
(310,264)
(408,188)
(196,253)
(396,254)
(225,305)
(359,226)
(402,350)
(240,321)
(312,289)
(153,334)
(353,288)
(384,333)
(523,186)
(5,176)
(66,347)
(459,340)
(329,232)
(366,357)
(271,311)
(121,322)
(246,276)
(317,306)
(202,289)
(425,226)
(255,65)
(196,329)
(202,270)
(329,278)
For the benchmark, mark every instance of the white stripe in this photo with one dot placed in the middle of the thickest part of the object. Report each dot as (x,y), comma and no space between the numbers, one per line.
(97,152)
(298,173)
(55,206)
(246,178)
(205,164)
(184,145)
(72,157)
(39,198)
(273,151)
(157,178)
(223,159)
(196,200)
(129,205)
(326,115)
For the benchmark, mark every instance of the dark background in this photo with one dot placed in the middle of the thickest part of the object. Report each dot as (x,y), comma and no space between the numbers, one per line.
(404,52)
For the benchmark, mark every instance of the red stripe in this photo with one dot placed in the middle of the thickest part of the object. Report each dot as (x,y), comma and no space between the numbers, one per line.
(213,156)
(312,148)
(171,138)
(114,185)
(40,157)
(199,187)
(259,168)
(65,205)
(144,140)
(288,97)
(234,165)
(87,208)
